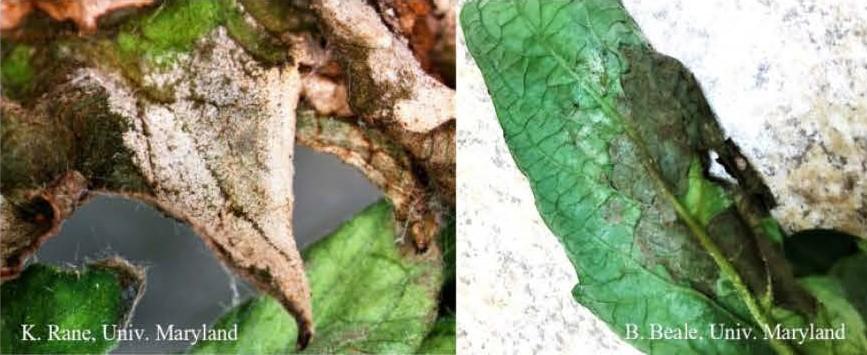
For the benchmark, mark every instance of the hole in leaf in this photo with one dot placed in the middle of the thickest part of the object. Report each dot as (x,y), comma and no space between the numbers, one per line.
(717,170)
(186,284)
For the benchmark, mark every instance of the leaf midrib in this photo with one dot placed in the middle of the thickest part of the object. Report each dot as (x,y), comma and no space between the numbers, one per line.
(662,187)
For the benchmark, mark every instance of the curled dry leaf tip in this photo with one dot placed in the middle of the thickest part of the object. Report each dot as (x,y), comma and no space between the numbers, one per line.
(390,90)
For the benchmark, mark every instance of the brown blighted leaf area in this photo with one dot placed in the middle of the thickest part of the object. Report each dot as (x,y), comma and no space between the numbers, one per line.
(429,27)
(83,13)
(391,90)
(203,125)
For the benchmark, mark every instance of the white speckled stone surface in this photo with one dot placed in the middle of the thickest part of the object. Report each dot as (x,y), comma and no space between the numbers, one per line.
(788,79)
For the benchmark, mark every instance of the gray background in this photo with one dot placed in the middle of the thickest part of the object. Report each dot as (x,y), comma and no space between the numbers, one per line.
(186,285)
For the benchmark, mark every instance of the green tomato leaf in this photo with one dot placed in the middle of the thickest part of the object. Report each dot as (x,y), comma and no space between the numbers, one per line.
(849,272)
(57,307)
(839,289)
(836,312)
(615,140)
(370,294)
(441,339)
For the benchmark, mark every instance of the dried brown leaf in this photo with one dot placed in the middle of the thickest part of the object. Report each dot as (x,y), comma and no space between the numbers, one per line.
(326,96)
(218,157)
(383,162)
(12,12)
(83,13)
(390,90)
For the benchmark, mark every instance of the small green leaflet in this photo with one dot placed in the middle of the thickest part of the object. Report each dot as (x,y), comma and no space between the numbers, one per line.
(72,301)
(369,296)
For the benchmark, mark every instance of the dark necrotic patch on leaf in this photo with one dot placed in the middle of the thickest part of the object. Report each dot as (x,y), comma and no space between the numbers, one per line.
(815,251)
